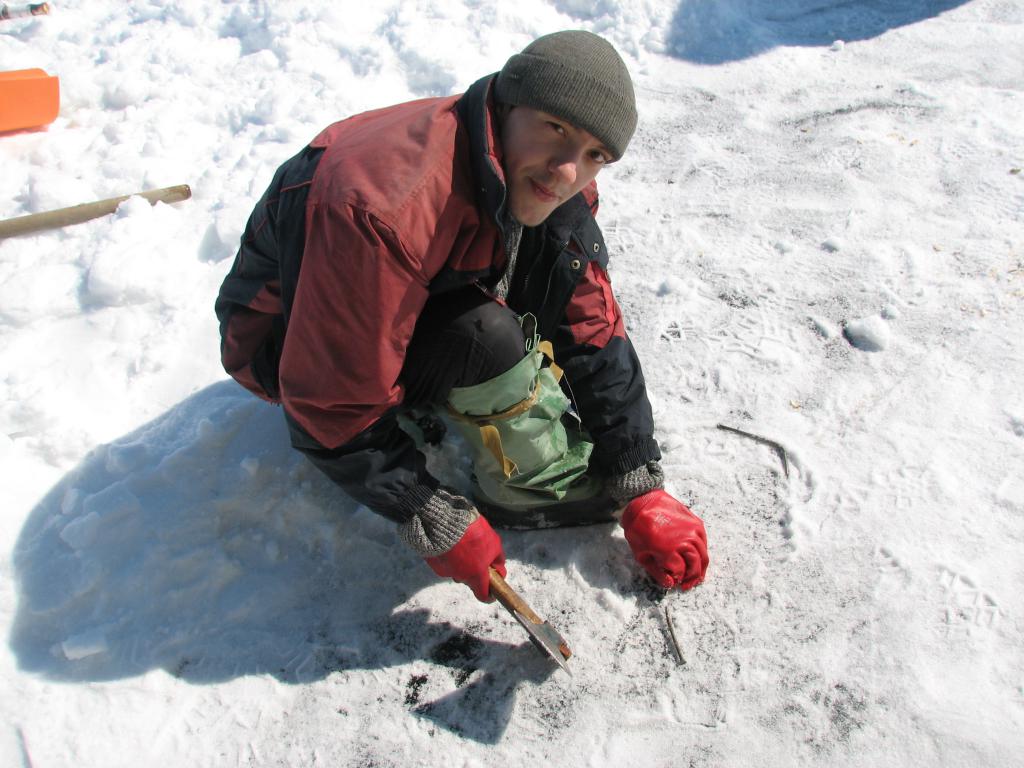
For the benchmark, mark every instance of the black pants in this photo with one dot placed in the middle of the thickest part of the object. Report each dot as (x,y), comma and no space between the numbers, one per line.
(462,338)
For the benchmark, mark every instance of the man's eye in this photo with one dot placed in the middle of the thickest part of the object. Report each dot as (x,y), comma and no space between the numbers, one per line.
(560,129)
(599,157)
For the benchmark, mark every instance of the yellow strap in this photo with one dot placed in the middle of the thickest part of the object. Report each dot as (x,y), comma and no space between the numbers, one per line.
(492,441)
(549,353)
(523,405)
(509,413)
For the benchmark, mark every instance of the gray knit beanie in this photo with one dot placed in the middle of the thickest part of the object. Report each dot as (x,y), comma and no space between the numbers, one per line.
(579,77)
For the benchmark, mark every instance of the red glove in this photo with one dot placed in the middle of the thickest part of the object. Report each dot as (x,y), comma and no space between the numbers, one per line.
(468,561)
(667,539)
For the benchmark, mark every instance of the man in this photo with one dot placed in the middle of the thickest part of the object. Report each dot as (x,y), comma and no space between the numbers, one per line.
(443,253)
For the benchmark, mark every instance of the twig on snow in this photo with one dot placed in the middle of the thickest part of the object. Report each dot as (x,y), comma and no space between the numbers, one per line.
(779,450)
(26,758)
(672,635)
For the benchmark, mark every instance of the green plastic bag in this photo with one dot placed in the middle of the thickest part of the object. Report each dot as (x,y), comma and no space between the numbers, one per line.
(524,454)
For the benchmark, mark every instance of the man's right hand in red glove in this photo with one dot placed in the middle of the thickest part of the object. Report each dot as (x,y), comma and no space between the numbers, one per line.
(455,541)
(470,560)
(667,539)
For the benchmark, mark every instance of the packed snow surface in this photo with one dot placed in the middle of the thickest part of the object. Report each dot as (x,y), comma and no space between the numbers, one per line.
(818,241)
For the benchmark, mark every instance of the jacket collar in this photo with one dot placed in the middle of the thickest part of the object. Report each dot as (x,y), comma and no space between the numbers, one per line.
(476,110)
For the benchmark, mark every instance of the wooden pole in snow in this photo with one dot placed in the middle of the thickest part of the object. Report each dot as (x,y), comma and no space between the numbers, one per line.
(17,11)
(76,214)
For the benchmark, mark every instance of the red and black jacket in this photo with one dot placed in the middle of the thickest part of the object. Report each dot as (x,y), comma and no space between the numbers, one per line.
(378,213)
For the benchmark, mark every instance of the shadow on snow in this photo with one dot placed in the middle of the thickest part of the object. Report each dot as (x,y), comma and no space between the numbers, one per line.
(719,31)
(202,544)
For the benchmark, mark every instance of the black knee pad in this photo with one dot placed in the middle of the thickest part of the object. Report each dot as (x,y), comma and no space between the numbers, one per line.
(462,338)
(496,328)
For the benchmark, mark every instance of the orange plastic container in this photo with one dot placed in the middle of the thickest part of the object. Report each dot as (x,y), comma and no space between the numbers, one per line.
(29,98)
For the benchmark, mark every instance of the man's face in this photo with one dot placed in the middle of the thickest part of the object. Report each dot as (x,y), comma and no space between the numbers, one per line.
(546,161)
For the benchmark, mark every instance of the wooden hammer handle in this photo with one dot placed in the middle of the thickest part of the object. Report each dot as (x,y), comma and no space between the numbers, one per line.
(510,599)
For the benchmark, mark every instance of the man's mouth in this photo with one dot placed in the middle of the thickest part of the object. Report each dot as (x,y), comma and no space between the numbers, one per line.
(542,192)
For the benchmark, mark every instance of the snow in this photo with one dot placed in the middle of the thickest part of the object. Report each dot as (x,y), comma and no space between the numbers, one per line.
(817,238)
(870,334)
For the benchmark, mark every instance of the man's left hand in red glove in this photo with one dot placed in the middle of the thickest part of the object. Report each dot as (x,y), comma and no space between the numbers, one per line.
(667,539)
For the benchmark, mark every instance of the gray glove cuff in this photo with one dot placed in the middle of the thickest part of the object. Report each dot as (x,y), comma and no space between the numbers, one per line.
(644,479)
(438,525)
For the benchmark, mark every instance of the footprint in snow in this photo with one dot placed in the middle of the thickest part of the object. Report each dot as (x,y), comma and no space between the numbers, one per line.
(967,606)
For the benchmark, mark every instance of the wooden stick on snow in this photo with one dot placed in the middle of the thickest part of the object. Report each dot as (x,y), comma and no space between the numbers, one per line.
(18,11)
(76,214)
(779,450)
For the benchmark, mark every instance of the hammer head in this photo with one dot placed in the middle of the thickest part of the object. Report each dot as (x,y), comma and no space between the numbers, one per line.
(547,640)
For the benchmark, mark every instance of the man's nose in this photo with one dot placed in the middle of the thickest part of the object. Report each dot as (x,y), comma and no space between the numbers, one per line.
(565,168)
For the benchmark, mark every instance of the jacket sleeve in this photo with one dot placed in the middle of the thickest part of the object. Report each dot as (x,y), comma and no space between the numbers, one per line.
(249,306)
(604,375)
(358,295)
